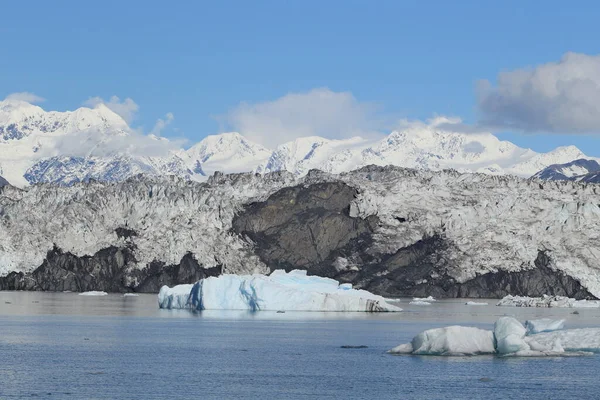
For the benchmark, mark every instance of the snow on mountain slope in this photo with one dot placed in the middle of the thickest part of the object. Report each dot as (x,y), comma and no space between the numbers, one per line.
(19,119)
(37,146)
(227,152)
(72,146)
(420,146)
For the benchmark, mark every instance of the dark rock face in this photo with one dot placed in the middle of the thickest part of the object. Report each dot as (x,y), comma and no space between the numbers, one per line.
(107,270)
(304,227)
(3,182)
(555,172)
(310,228)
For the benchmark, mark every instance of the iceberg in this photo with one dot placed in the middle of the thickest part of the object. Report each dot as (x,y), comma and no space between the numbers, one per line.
(449,341)
(419,303)
(547,301)
(475,303)
(544,325)
(509,338)
(93,293)
(428,299)
(279,291)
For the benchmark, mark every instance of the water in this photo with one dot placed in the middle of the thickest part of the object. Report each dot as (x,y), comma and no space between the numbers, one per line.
(61,345)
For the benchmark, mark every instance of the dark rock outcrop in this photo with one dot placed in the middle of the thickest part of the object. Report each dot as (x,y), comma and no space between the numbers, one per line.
(107,270)
(3,182)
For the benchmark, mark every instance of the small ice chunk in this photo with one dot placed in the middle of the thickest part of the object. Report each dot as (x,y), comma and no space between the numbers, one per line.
(130,295)
(509,334)
(419,303)
(93,293)
(544,325)
(449,341)
(475,303)
(427,299)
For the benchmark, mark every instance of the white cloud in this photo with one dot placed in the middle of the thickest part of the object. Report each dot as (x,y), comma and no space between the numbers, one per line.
(319,112)
(557,97)
(126,108)
(162,124)
(25,96)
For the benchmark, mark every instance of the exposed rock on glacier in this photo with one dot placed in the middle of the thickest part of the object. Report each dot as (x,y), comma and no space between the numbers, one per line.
(280,291)
(547,301)
(391,231)
(509,338)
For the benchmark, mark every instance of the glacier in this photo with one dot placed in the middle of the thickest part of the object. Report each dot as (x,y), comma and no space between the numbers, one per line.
(279,291)
(392,231)
(508,338)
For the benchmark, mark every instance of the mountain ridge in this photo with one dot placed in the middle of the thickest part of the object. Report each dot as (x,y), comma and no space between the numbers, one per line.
(97,144)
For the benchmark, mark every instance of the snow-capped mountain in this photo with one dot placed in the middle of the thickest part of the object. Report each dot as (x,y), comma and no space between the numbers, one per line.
(96,143)
(581,170)
(227,152)
(67,147)
(421,146)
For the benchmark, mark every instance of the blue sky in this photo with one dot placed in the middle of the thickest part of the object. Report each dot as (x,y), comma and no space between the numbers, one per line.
(200,60)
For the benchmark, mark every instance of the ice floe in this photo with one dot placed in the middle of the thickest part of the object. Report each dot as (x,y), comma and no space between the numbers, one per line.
(475,303)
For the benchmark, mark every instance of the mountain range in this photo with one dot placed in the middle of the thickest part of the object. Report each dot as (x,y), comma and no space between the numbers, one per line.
(38,146)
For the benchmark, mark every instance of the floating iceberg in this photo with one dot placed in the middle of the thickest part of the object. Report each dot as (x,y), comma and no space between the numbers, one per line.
(547,301)
(280,291)
(509,338)
(420,303)
(130,295)
(544,325)
(93,293)
(451,340)
(428,299)
(475,303)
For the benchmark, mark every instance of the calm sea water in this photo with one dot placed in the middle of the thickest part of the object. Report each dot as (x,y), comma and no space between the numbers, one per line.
(61,345)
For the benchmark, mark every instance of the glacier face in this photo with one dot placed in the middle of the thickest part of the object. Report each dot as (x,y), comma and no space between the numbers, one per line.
(280,291)
(389,230)
(45,146)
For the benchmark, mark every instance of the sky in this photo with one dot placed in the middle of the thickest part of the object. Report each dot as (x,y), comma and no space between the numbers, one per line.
(275,70)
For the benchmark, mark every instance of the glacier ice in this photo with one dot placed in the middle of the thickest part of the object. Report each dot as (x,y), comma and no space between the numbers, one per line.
(475,303)
(509,338)
(420,303)
(584,339)
(93,293)
(451,340)
(547,301)
(534,326)
(280,291)
(428,299)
